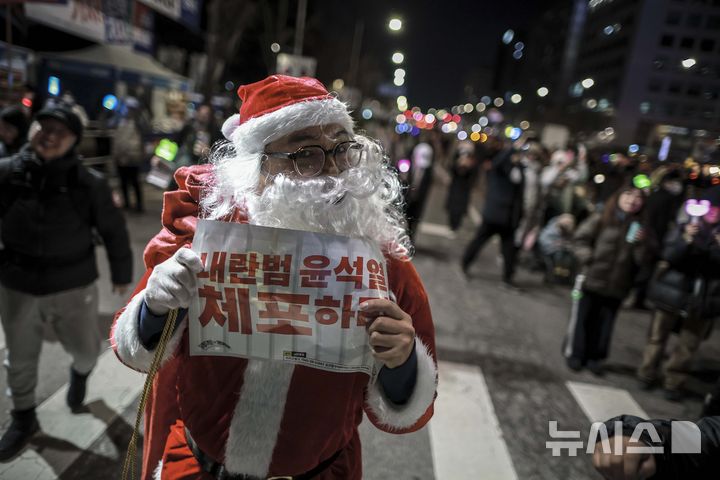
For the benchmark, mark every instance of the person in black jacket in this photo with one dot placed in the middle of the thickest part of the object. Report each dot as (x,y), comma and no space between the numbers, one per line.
(635,465)
(13,130)
(49,206)
(686,293)
(502,212)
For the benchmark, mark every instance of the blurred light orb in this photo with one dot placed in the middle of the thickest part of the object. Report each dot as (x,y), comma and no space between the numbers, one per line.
(475,136)
(483,121)
(587,83)
(367,114)
(402,99)
(453,126)
(429,118)
(53,85)
(445,128)
(599,178)
(395,24)
(338,84)
(609,131)
(415,131)
(456,118)
(399,81)
(519,46)
(517,54)
(524,124)
(468,107)
(508,36)
(689,62)
(399,72)
(399,130)
(398,58)
(403,165)
(275,47)
(417,116)
(634,148)
(609,30)
(498,102)
(516,98)
(480,107)
(591,103)
(400,118)
(543,92)
(110,102)
(486,100)
(462,135)
(229,85)
(483,138)
(476,128)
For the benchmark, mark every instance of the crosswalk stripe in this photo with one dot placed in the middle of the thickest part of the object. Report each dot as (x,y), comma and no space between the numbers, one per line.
(466,437)
(112,387)
(600,402)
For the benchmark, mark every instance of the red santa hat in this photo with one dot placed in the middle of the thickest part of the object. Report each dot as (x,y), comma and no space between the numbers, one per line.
(279,105)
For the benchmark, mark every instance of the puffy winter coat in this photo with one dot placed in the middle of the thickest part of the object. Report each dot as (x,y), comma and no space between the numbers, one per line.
(609,260)
(691,282)
(49,211)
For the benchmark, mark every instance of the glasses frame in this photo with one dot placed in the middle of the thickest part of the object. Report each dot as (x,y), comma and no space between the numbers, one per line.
(292,156)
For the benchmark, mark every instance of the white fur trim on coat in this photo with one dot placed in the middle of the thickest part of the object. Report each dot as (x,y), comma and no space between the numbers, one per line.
(255,133)
(157,473)
(256,420)
(405,416)
(127,339)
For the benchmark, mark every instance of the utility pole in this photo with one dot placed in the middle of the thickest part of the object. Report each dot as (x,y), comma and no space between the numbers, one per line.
(300,27)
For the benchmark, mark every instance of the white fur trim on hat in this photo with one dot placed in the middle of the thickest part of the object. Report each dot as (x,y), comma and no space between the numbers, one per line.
(396,417)
(254,134)
(126,338)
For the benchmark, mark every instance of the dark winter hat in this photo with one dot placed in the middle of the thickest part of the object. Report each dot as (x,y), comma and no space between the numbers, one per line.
(13,115)
(713,195)
(64,114)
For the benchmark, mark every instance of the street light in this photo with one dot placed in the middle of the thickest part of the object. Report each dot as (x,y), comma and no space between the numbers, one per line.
(398,58)
(516,98)
(395,24)
(399,72)
(543,91)
(275,47)
(587,83)
(399,81)
(688,63)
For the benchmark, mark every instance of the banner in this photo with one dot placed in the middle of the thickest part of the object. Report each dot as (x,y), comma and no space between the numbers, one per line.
(187,12)
(286,295)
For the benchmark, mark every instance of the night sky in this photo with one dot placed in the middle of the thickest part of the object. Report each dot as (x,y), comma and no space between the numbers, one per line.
(443,41)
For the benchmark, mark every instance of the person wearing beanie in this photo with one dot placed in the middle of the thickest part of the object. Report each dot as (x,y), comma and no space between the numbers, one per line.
(50,203)
(686,294)
(13,130)
(609,248)
(294,161)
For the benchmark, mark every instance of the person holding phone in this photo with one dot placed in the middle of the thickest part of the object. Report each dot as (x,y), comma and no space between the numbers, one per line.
(609,247)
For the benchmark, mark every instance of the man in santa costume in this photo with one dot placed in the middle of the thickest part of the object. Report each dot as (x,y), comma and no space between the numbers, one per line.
(293,161)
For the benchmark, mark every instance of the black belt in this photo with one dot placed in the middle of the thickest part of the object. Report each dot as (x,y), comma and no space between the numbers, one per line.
(218,471)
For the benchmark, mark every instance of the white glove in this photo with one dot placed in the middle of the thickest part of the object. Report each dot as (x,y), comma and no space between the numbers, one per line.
(172,283)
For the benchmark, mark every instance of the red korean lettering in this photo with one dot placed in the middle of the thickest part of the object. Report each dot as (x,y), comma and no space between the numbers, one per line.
(211,310)
(377,276)
(315,272)
(276,270)
(353,269)
(285,318)
(348,314)
(242,268)
(326,315)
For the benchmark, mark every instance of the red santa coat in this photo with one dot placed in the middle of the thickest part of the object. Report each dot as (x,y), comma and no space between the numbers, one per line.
(258,417)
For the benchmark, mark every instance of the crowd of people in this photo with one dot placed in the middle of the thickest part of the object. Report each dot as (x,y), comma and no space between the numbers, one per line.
(614,230)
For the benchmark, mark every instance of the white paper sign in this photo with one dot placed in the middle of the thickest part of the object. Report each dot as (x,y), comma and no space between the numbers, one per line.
(285,295)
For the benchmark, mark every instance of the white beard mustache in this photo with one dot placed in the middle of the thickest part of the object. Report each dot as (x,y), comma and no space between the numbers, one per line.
(346,204)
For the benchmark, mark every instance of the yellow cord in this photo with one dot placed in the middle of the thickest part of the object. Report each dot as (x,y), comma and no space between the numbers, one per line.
(130,464)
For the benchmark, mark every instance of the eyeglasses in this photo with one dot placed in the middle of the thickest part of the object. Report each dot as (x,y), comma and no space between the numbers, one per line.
(309,160)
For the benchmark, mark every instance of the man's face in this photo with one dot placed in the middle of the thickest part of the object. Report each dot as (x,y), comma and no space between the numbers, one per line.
(8,133)
(325,136)
(53,140)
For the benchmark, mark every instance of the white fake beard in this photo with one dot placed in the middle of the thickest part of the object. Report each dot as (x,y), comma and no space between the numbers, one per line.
(349,204)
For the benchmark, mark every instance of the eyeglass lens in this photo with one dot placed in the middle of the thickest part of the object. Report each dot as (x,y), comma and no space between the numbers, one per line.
(309,161)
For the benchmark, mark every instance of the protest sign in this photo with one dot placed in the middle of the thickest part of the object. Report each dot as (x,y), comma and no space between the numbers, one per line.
(288,295)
